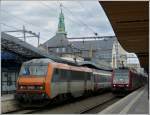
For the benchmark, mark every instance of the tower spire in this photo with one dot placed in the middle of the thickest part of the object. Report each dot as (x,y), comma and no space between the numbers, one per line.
(61,7)
(61,24)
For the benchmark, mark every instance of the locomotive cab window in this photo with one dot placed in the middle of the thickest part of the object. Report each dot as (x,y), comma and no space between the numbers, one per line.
(33,69)
(121,76)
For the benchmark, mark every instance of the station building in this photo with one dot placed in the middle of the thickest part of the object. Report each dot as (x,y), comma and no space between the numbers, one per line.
(90,48)
(9,72)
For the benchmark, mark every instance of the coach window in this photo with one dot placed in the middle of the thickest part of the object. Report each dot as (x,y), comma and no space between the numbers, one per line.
(77,75)
(55,75)
(63,75)
(102,78)
(88,76)
(98,78)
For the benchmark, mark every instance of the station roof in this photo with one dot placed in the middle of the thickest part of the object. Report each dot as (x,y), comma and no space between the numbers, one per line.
(18,46)
(58,40)
(130,21)
(101,45)
(99,66)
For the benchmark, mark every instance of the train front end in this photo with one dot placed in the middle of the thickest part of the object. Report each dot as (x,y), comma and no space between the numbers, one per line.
(32,85)
(120,81)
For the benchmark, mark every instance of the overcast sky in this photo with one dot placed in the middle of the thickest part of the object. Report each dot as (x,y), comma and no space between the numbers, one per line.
(82,18)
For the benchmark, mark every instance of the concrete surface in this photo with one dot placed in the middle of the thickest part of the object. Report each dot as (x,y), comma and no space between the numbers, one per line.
(8,103)
(135,103)
(7,97)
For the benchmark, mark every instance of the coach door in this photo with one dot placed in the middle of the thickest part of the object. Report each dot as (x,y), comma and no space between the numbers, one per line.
(93,80)
(85,81)
(68,81)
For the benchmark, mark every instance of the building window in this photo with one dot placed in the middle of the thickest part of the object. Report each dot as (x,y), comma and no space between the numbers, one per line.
(63,49)
(105,56)
(57,50)
(9,79)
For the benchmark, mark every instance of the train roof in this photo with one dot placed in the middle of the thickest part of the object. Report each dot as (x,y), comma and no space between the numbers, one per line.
(94,65)
(41,60)
(70,67)
(133,70)
(88,64)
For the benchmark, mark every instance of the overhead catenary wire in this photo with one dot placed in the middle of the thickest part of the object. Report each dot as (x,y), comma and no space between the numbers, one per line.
(31,24)
(69,17)
(66,16)
(9,26)
(89,13)
(26,22)
(16,30)
(67,9)
(81,21)
(82,6)
(22,20)
(19,18)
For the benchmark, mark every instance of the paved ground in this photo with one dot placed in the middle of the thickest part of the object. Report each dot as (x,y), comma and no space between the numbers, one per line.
(135,103)
(8,103)
(7,97)
(141,106)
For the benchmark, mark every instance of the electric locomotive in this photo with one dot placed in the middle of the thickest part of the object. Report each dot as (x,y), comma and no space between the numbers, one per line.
(125,80)
(43,80)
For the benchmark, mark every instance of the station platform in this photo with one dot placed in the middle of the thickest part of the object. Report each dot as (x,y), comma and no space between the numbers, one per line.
(8,103)
(136,102)
(7,97)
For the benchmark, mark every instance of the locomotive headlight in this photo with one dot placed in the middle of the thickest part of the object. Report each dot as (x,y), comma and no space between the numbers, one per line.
(114,85)
(21,87)
(41,87)
(127,85)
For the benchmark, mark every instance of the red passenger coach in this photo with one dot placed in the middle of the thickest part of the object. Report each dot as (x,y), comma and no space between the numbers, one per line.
(125,80)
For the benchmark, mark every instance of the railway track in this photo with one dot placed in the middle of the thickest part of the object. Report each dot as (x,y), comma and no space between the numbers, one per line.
(76,106)
(97,108)
(22,111)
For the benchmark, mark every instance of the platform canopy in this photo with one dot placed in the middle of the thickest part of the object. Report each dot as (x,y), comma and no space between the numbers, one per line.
(130,21)
(12,44)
